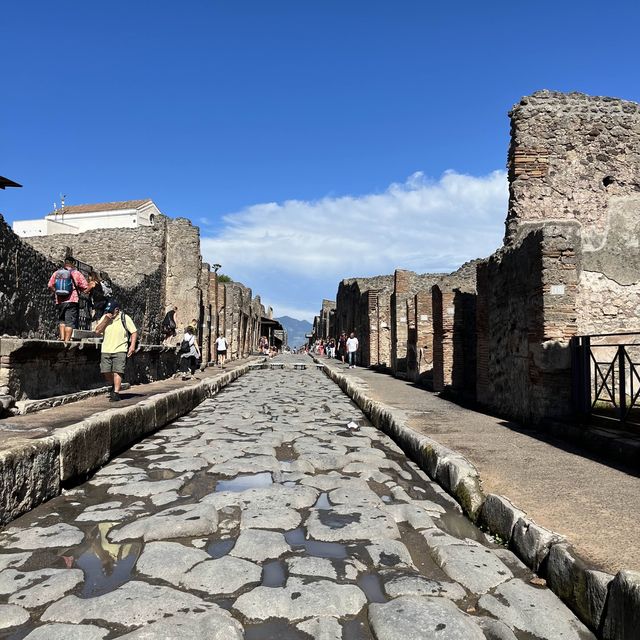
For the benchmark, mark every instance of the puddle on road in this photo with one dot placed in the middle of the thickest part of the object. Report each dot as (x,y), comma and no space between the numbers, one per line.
(296,538)
(322,502)
(335,520)
(220,548)
(274,574)
(244,482)
(273,631)
(372,587)
(458,525)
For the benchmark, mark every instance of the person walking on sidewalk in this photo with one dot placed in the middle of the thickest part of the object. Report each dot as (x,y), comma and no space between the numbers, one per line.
(120,336)
(189,353)
(342,347)
(221,349)
(352,349)
(65,283)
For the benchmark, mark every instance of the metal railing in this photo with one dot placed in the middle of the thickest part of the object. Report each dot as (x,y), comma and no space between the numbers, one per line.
(606,376)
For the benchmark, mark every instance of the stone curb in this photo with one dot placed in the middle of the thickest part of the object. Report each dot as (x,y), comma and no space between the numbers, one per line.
(608,605)
(34,471)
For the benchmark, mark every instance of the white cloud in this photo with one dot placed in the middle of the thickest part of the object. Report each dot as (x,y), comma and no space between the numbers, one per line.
(294,253)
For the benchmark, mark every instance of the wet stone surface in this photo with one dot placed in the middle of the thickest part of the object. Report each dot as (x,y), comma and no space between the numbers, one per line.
(261,515)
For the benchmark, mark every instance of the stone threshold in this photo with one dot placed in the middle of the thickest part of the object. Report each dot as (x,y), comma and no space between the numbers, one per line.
(609,605)
(35,470)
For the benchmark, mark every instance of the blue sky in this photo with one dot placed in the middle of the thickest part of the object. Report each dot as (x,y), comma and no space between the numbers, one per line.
(300,136)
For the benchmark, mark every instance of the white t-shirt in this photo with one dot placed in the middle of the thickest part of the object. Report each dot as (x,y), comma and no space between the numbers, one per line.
(221,344)
(352,344)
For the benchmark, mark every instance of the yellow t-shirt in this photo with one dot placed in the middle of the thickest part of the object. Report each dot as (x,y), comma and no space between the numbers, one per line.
(115,337)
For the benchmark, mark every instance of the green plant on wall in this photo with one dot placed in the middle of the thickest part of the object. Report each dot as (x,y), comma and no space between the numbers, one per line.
(224,278)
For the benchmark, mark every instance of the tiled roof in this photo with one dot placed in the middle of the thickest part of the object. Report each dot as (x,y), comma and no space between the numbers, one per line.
(103,206)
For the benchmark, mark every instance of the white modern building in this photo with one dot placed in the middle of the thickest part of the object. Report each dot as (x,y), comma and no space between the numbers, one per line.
(83,217)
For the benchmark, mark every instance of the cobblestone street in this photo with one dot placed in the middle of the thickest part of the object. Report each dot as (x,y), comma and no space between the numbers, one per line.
(272,511)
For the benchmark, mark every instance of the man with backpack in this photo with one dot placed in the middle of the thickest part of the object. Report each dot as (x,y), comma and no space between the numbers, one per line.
(65,283)
(119,343)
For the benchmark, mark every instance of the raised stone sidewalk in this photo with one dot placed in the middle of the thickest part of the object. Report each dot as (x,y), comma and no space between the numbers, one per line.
(41,452)
(571,518)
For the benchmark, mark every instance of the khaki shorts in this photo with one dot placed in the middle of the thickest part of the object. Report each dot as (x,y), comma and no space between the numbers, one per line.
(113,362)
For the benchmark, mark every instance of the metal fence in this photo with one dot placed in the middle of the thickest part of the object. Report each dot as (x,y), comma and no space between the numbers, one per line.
(606,377)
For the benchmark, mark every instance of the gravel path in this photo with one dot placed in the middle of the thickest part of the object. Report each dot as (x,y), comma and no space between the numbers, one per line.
(262,515)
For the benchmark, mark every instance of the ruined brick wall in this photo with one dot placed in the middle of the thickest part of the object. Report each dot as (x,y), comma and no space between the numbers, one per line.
(526,314)
(362,306)
(577,157)
(27,307)
(239,320)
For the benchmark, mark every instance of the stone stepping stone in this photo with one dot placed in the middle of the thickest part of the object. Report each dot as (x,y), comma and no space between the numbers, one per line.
(535,611)
(297,601)
(223,576)
(417,618)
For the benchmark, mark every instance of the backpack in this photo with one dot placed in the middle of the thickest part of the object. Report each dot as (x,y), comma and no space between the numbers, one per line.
(185,346)
(126,329)
(106,289)
(64,283)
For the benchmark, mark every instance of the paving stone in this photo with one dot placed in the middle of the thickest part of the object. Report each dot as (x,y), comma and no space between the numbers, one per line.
(225,575)
(536,611)
(109,512)
(12,616)
(216,624)
(58,535)
(475,567)
(417,618)
(420,586)
(496,630)
(322,628)
(45,586)
(146,488)
(131,605)
(168,561)
(390,553)
(8,560)
(414,514)
(68,632)
(259,545)
(357,524)
(297,601)
(309,566)
(188,520)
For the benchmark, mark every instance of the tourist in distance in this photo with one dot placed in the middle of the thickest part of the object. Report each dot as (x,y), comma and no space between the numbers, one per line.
(342,346)
(169,326)
(221,350)
(119,343)
(352,349)
(65,283)
(189,353)
(263,345)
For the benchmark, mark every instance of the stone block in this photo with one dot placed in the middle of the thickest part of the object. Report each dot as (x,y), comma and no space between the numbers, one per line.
(126,426)
(531,542)
(499,516)
(84,447)
(622,618)
(29,475)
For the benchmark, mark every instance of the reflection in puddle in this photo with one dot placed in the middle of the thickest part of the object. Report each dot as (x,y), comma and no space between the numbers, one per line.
(106,565)
(458,525)
(242,483)
(296,538)
(322,502)
(273,574)
(273,631)
(370,584)
(220,548)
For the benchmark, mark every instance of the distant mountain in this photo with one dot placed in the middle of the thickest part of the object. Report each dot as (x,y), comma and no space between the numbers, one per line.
(296,330)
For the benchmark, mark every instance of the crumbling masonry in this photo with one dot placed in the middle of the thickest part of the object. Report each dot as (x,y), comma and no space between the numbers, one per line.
(498,330)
